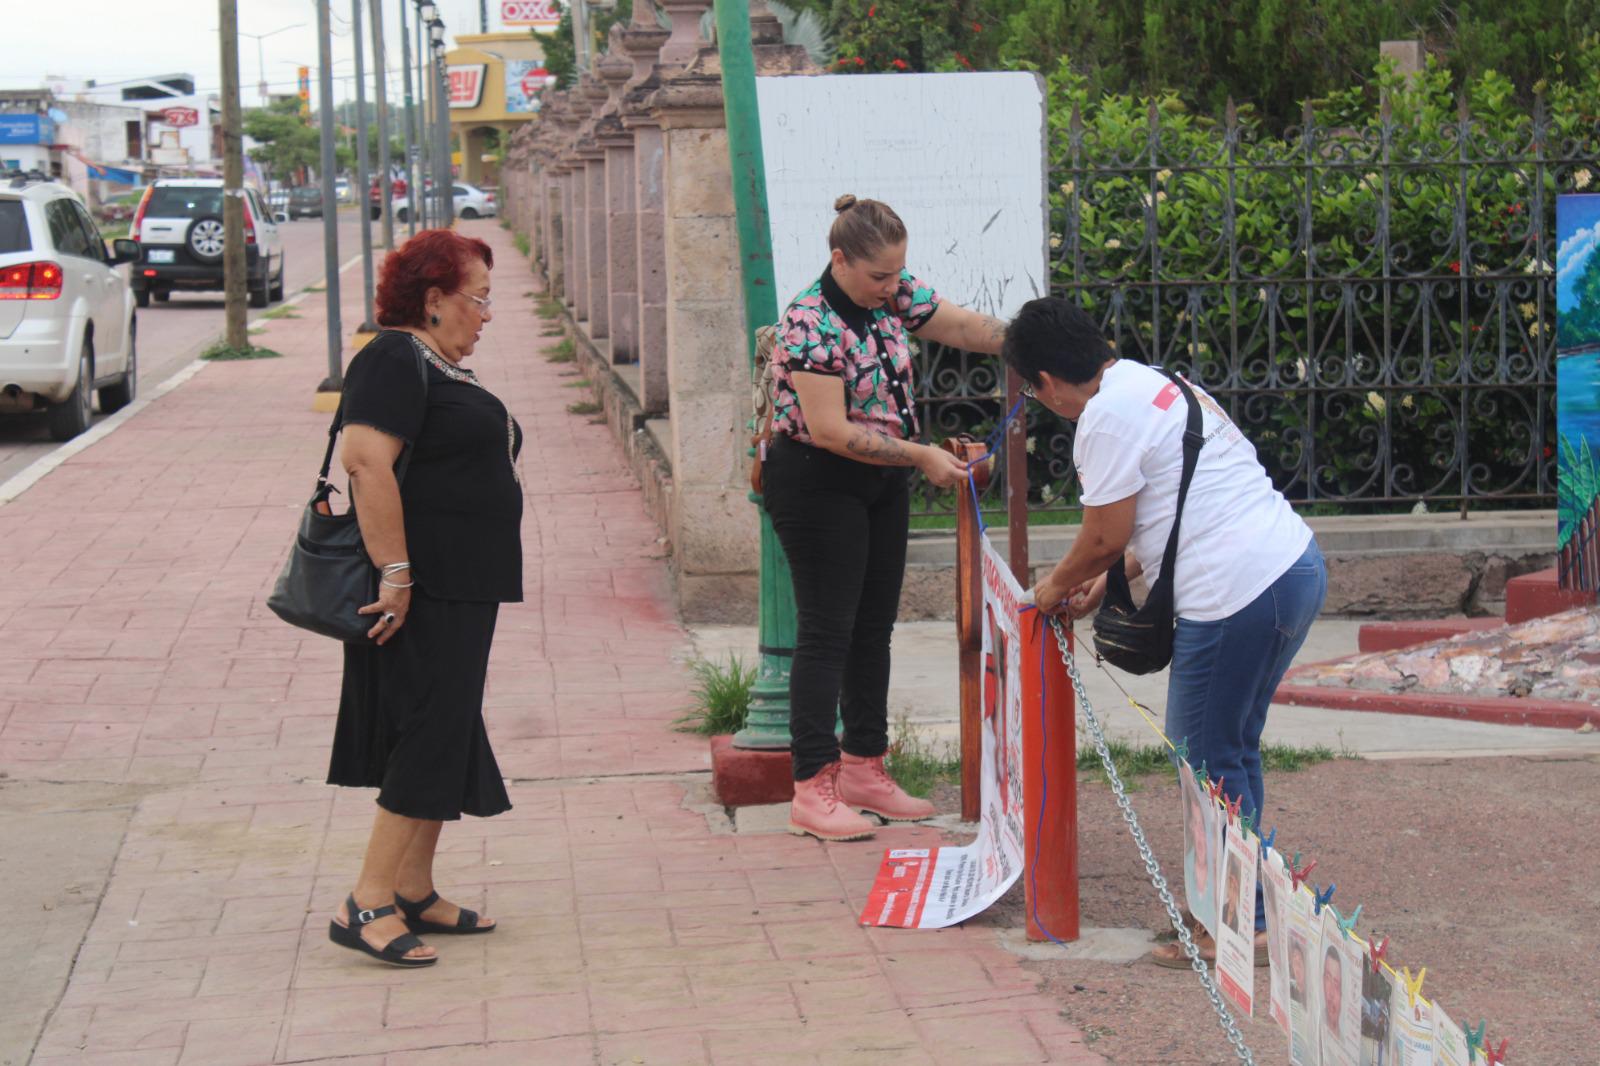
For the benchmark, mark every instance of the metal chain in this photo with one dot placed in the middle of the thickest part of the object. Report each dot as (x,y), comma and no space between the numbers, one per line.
(1152,867)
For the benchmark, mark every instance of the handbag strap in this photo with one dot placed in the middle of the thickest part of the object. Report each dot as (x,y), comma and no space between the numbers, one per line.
(338,419)
(1193,440)
(908,414)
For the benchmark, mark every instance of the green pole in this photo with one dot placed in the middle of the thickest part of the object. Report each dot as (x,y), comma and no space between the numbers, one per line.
(768,724)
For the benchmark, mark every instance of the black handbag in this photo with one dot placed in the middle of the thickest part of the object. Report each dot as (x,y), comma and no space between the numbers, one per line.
(328,578)
(1139,640)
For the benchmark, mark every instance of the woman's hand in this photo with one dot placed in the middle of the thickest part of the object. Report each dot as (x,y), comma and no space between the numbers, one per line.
(941,468)
(391,608)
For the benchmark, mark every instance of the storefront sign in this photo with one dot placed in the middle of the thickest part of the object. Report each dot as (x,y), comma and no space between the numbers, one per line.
(466,85)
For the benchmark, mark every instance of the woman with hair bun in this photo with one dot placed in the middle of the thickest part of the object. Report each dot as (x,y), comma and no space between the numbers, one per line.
(432,459)
(836,483)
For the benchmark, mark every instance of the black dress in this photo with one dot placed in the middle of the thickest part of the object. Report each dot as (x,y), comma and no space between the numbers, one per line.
(411,711)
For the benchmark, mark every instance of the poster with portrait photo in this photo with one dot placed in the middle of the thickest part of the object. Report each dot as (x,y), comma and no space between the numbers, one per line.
(1412,1025)
(1236,927)
(1449,1042)
(1202,850)
(1338,983)
(1305,936)
(1274,897)
(1377,996)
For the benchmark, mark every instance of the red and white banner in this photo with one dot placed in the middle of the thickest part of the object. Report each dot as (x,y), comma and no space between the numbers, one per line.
(929,888)
(466,84)
(536,13)
(180,116)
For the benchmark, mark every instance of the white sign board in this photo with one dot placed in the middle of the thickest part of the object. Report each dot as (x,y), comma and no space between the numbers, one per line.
(960,157)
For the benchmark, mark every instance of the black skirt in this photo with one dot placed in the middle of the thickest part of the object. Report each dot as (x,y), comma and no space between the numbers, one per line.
(411,715)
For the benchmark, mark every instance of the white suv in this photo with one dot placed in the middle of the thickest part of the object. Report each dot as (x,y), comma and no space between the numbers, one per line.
(179,224)
(66,313)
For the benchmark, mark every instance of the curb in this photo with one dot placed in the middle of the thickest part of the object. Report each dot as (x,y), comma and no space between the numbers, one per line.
(1496,710)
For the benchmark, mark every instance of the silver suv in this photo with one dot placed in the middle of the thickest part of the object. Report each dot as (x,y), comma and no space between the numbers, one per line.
(179,223)
(67,325)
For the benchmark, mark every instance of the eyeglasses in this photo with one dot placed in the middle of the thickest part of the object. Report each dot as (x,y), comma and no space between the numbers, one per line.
(484,303)
(1027,393)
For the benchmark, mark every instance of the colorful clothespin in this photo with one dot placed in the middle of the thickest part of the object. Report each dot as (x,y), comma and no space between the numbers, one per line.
(1413,988)
(1474,1042)
(1181,750)
(1233,808)
(1495,1056)
(1348,925)
(1266,844)
(1320,897)
(1247,824)
(1299,875)
(1378,949)
(1215,788)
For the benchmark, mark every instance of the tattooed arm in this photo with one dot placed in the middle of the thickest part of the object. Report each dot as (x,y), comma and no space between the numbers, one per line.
(962,328)
(822,403)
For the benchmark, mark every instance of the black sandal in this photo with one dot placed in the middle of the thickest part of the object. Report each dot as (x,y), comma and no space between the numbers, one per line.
(466,921)
(393,953)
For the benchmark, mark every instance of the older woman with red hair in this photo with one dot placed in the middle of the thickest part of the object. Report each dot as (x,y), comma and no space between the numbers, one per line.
(438,497)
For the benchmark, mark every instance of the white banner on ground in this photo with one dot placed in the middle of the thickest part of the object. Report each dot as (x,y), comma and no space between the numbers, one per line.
(1202,850)
(1338,982)
(1275,885)
(929,888)
(1236,927)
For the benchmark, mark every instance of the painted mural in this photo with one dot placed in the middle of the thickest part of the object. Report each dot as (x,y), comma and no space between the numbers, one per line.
(1578,389)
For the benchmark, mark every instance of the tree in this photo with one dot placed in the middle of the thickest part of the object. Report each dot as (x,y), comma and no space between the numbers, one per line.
(286,144)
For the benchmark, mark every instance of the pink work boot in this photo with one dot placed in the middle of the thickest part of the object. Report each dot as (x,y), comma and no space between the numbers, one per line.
(817,810)
(866,784)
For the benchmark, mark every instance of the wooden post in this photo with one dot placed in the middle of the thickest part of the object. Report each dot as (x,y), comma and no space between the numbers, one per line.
(1049,786)
(969,627)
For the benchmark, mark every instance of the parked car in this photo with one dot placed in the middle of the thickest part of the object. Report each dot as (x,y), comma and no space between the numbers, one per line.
(179,225)
(469,202)
(67,326)
(305,201)
(342,192)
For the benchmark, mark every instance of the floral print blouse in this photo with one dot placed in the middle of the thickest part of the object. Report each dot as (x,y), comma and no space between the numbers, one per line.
(815,337)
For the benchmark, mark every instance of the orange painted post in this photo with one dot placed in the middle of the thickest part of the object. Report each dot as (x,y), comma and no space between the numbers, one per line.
(1049,786)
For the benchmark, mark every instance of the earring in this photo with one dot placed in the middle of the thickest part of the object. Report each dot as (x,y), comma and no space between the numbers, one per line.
(433,320)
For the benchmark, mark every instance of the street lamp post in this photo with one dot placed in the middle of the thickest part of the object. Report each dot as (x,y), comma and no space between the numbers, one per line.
(428,91)
(411,172)
(261,62)
(334,382)
(363,171)
(441,162)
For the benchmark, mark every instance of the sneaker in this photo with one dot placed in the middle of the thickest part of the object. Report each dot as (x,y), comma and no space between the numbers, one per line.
(864,783)
(817,809)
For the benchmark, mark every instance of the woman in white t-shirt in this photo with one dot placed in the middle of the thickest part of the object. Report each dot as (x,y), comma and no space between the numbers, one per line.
(1249,578)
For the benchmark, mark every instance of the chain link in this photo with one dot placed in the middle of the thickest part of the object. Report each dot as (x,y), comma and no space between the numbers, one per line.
(1152,867)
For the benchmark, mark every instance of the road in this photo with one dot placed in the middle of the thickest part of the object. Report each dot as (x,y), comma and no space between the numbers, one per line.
(173,334)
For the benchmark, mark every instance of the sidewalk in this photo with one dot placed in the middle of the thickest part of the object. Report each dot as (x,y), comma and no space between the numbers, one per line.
(138,658)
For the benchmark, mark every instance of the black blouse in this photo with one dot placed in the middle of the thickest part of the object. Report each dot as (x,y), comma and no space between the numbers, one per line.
(461,499)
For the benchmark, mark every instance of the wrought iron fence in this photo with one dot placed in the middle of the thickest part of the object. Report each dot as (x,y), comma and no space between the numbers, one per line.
(1374,306)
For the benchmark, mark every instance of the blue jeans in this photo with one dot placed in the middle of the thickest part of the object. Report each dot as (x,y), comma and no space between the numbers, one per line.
(1224,674)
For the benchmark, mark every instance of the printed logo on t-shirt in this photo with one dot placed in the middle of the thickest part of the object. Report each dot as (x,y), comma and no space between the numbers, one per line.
(1167,396)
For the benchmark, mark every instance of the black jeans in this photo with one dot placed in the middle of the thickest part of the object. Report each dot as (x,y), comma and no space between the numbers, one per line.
(843,527)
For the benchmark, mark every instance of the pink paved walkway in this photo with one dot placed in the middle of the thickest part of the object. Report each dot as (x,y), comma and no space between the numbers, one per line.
(135,647)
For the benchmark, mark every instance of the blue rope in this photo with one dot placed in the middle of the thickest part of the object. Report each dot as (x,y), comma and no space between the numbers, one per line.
(990,444)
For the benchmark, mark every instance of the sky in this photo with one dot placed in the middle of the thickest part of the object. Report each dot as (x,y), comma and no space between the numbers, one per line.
(113,40)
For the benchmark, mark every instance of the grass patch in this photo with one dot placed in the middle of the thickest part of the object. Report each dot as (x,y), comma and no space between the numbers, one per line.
(315,288)
(583,407)
(547,309)
(721,697)
(220,352)
(1134,761)
(281,311)
(581,383)
(555,330)
(919,762)
(564,352)
(521,241)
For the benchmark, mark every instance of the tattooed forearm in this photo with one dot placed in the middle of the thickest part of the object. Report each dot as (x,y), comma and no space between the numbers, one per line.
(879,449)
(990,335)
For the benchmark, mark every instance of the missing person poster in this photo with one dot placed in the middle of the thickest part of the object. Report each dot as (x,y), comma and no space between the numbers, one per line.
(1236,927)
(929,888)
(1275,897)
(1338,982)
(1377,997)
(1305,937)
(1202,850)
(1412,1022)
(1449,1042)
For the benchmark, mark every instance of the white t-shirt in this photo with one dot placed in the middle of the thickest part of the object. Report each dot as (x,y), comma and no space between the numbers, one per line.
(1239,534)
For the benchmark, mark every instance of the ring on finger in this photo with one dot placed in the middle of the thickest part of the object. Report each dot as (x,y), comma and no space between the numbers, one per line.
(388,618)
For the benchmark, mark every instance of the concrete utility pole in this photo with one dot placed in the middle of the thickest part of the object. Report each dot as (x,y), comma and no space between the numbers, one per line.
(380,78)
(444,214)
(411,143)
(334,382)
(768,723)
(425,94)
(363,172)
(233,261)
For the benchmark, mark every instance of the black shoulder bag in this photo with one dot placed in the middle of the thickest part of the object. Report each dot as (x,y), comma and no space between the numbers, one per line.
(1139,641)
(328,578)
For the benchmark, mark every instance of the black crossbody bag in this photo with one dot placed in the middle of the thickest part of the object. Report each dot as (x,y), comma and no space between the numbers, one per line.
(1139,640)
(328,578)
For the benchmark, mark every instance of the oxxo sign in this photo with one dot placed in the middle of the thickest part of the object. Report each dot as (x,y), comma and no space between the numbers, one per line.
(530,12)
(180,116)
